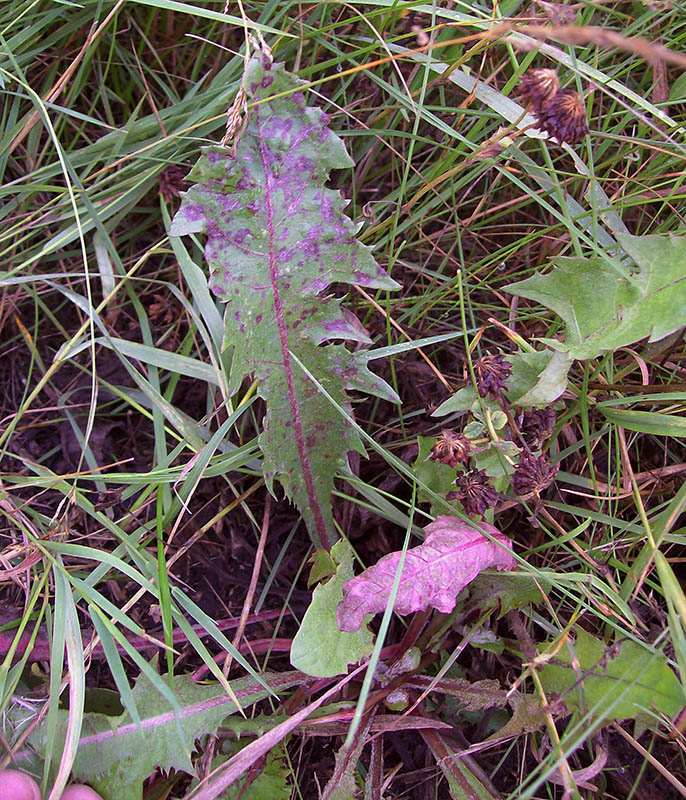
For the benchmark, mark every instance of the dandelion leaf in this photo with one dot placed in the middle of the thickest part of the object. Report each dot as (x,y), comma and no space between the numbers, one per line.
(277,239)
(115,755)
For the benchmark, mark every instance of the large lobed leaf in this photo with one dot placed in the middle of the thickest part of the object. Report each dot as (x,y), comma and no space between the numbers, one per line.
(626,681)
(277,238)
(115,755)
(434,573)
(603,310)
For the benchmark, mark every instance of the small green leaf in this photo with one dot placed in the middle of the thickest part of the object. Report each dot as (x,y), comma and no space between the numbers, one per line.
(397,700)
(483,405)
(537,379)
(319,647)
(677,94)
(613,685)
(485,639)
(462,400)
(497,458)
(606,307)
(646,421)
(472,430)
(527,716)
(323,566)
(499,420)
(432,474)
(270,783)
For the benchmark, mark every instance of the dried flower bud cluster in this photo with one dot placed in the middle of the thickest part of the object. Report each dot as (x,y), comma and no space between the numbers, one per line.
(474,492)
(451,448)
(537,87)
(559,112)
(565,117)
(537,425)
(533,474)
(496,443)
(492,372)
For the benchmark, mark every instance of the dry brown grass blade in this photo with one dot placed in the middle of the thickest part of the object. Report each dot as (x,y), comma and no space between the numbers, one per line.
(650,758)
(589,34)
(457,768)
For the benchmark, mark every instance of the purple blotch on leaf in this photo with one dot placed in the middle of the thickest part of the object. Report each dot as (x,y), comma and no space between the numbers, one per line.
(241,235)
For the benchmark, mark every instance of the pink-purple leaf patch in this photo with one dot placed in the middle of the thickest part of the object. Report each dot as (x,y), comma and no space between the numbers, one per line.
(434,573)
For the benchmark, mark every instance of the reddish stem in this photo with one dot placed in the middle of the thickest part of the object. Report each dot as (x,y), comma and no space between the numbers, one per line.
(320,525)
(41,647)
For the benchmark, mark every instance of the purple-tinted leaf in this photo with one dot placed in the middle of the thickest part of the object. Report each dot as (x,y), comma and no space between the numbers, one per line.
(434,573)
(277,238)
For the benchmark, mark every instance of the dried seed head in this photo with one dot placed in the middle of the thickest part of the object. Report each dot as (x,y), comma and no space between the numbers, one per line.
(474,492)
(533,474)
(564,117)
(492,372)
(537,87)
(451,448)
(537,425)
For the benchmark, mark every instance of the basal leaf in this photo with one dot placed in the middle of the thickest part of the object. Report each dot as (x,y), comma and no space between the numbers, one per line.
(115,755)
(618,683)
(603,310)
(320,648)
(434,573)
(277,238)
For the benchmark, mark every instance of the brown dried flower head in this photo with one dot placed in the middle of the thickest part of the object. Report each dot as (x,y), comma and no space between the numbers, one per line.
(451,448)
(492,372)
(565,117)
(537,87)
(474,492)
(559,112)
(537,425)
(533,474)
